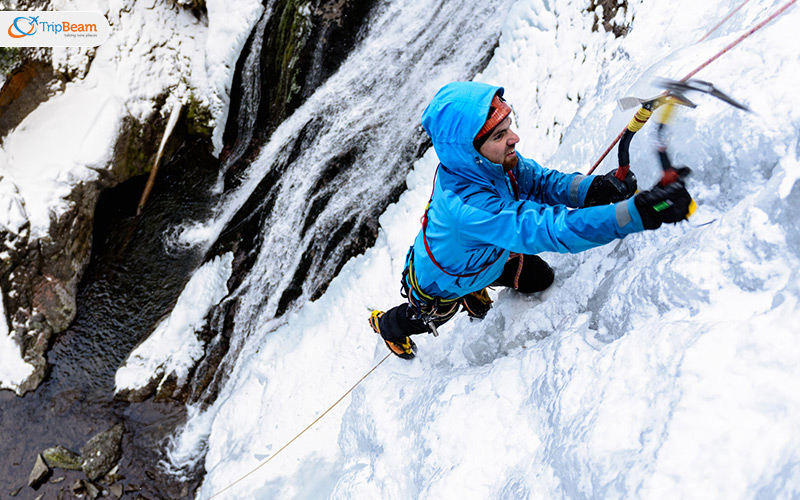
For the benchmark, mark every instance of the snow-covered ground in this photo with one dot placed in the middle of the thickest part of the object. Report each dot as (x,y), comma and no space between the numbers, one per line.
(155,49)
(661,366)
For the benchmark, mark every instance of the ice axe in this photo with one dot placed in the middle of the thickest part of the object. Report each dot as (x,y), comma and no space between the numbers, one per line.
(647,107)
(675,87)
(678,89)
(699,86)
(674,94)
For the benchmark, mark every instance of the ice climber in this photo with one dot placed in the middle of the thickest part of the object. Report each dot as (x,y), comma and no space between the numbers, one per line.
(492,210)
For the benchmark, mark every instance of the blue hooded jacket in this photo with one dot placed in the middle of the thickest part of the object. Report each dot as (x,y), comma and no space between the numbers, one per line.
(474,220)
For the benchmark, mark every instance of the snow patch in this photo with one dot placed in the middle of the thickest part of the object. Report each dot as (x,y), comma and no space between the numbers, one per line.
(13,370)
(174,348)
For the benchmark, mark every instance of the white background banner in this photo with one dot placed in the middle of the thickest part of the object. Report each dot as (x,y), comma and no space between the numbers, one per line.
(52,29)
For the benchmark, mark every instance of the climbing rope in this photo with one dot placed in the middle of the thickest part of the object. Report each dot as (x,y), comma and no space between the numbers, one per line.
(265,462)
(741,38)
(724,20)
(709,61)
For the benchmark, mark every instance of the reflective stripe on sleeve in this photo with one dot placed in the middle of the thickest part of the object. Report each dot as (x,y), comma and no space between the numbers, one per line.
(574,189)
(623,214)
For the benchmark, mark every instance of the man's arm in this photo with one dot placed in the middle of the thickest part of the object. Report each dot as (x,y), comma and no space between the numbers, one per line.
(551,187)
(573,190)
(531,227)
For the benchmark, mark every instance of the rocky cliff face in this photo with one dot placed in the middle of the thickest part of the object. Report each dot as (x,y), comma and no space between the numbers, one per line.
(299,44)
(40,270)
(42,262)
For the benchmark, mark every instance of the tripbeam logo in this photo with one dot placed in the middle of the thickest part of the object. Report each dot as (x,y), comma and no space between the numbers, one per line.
(52,29)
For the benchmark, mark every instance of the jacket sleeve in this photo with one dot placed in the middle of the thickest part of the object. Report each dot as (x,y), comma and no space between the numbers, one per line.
(551,187)
(530,227)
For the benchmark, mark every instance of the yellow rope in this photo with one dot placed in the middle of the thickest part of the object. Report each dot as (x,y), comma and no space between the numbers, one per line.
(265,462)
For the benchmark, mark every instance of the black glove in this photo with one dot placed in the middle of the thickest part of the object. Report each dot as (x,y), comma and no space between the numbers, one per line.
(668,203)
(607,189)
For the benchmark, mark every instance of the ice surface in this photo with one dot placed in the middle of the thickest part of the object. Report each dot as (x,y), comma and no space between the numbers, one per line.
(13,370)
(660,366)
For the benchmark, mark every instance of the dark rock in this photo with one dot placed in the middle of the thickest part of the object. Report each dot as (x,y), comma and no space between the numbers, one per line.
(102,452)
(137,395)
(62,458)
(87,489)
(116,490)
(77,487)
(39,473)
(112,477)
(92,491)
(609,10)
(27,86)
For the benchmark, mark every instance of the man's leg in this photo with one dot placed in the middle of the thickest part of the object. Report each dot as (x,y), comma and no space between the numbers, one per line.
(399,322)
(534,275)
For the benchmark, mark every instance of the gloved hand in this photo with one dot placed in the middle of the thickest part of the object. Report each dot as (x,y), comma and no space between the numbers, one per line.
(607,189)
(661,204)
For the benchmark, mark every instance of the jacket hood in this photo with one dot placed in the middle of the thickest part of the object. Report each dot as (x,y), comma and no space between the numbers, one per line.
(453,119)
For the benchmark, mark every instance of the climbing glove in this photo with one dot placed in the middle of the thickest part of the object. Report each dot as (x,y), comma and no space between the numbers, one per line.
(606,189)
(670,203)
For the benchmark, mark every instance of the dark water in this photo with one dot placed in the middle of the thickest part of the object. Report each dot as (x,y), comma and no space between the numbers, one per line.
(132,281)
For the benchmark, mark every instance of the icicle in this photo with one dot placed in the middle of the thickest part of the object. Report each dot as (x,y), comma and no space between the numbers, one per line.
(173,119)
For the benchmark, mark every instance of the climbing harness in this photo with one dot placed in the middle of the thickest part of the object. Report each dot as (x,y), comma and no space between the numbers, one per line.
(644,114)
(430,310)
(309,426)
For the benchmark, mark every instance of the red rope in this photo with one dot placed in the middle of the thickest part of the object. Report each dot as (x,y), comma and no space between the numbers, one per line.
(741,38)
(714,58)
(734,11)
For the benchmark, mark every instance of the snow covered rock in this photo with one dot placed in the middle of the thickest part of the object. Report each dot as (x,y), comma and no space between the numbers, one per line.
(89,121)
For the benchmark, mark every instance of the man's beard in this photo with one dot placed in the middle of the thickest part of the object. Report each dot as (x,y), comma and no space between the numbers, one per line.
(509,163)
